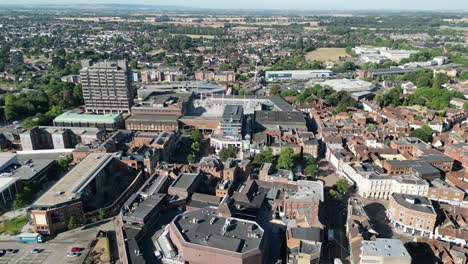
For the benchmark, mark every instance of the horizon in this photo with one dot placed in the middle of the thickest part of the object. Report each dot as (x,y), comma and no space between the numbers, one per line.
(291,5)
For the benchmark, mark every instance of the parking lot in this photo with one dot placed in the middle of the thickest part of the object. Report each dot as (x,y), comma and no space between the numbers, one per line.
(49,253)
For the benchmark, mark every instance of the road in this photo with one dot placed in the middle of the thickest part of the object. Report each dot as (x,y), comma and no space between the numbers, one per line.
(332,214)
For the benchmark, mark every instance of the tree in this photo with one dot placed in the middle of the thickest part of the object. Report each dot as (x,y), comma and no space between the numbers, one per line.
(196,146)
(311,166)
(342,185)
(196,136)
(64,162)
(424,133)
(334,194)
(392,97)
(275,89)
(102,214)
(439,80)
(73,222)
(229,152)
(266,155)
(191,158)
(286,159)
(19,201)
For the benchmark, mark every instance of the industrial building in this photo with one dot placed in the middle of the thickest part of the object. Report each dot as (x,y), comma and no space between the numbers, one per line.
(105,121)
(348,85)
(297,75)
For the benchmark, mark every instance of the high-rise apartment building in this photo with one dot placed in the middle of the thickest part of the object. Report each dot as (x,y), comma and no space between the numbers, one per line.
(106,87)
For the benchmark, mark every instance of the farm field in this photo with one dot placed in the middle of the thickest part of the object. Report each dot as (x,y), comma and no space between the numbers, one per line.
(326,54)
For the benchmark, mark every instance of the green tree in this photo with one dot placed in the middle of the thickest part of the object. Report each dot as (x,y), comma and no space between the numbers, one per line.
(102,214)
(424,133)
(275,89)
(439,80)
(392,97)
(63,163)
(196,146)
(311,166)
(334,194)
(266,155)
(342,185)
(19,201)
(196,136)
(286,159)
(191,159)
(229,152)
(73,222)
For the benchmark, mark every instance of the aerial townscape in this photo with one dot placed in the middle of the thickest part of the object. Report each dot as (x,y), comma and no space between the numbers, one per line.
(234,132)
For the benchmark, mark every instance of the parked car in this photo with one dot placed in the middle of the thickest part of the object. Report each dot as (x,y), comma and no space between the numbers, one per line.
(36,251)
(73,254)
(10,251)
(75,249)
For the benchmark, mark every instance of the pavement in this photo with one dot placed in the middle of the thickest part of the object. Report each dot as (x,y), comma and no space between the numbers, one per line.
(51,253)
(55,249)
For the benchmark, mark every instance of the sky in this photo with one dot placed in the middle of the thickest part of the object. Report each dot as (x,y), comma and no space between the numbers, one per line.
(279,4)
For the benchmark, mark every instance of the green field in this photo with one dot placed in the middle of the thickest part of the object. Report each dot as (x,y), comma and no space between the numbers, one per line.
(326,54)
(195,36)
(13,226)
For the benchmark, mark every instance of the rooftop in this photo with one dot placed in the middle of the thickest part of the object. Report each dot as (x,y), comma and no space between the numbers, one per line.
(184,180)
(204,227)
(414,202)
(70,186)
(387,248)
(87,118)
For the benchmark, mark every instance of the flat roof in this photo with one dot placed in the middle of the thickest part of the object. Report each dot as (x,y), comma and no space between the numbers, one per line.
(204,227)
(6,182)
(387,248)
(74,181)
(87,118)
(31,169)
(233,112)
(184,180)
(280,118)
(153,118)
(6,157)
(145,208)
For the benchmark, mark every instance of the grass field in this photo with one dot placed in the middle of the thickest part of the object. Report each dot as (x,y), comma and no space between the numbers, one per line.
(196,36)
(455,28)
(13,226)
(155,52)
(326,54)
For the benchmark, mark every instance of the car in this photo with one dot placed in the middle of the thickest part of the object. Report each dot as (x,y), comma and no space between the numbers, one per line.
(75,249)
(35,251)
(73,254)
(10,251)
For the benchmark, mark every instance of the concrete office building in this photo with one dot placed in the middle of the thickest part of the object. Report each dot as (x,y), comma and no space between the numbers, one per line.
(202,236)
(51,211)
(384,251)
(106,87)
(297,75)
(231,121)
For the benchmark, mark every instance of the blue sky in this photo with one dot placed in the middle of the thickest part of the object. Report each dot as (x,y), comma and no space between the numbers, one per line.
(280,4)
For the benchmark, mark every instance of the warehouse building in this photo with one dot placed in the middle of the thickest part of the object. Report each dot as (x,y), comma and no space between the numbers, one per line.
(297,75)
